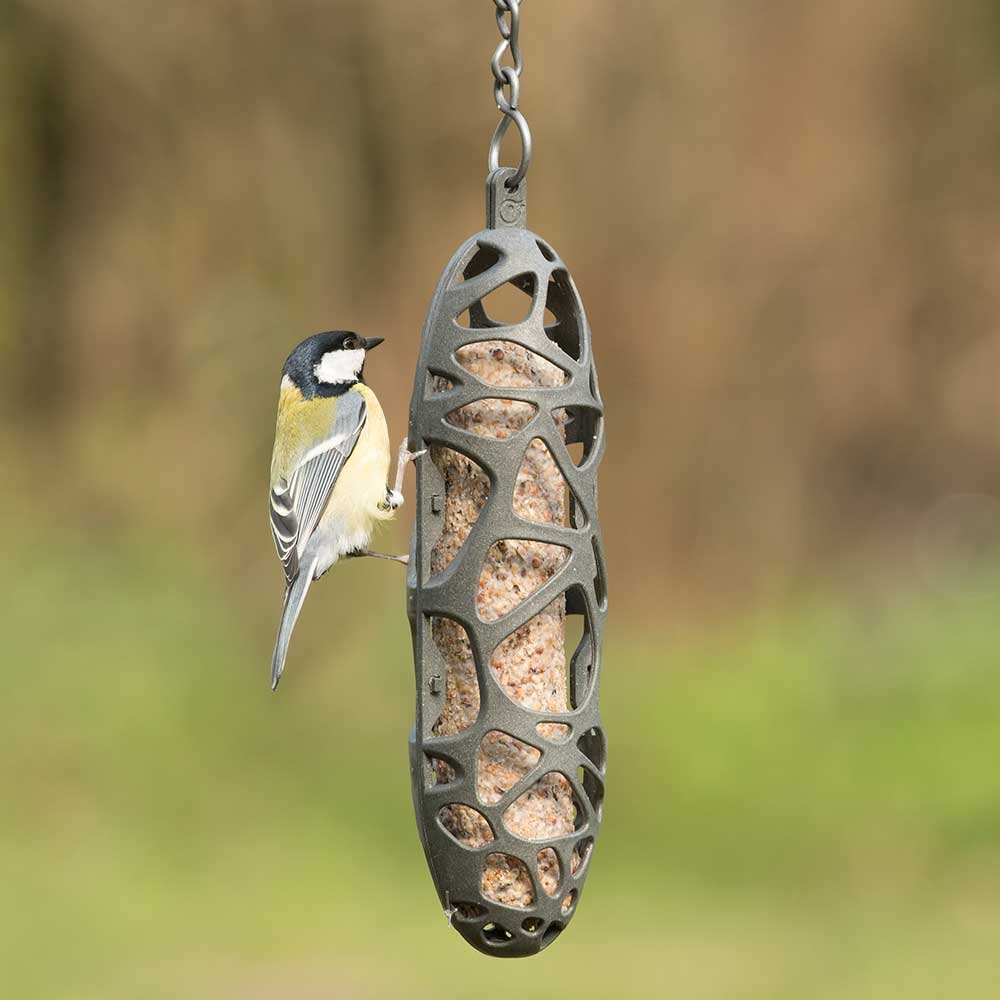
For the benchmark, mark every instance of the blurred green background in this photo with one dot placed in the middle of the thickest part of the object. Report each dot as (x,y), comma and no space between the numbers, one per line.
(784,218)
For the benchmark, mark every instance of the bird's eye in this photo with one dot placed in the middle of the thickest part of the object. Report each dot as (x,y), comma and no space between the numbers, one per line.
(351,344)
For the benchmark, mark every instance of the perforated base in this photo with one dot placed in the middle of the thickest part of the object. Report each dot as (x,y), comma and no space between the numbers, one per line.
(570,743)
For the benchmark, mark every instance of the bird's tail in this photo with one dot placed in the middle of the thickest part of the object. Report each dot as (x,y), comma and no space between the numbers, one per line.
(295,594)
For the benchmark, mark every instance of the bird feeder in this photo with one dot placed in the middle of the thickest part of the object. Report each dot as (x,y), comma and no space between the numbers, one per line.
(506,582)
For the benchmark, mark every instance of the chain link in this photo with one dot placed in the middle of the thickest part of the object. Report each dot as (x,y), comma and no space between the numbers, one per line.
(507,88)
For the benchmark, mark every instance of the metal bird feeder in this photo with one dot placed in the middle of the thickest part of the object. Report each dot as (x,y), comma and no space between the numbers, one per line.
(550,738)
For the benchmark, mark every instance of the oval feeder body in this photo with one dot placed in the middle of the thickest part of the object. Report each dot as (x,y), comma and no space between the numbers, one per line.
(506,564)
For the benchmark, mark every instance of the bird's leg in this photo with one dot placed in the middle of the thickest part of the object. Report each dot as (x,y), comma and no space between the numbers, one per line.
(394,497)
(405,560)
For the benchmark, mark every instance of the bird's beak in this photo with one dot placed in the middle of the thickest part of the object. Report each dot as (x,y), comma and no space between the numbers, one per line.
(372,342)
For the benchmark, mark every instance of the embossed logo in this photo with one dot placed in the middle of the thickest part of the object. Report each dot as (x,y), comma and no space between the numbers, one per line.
(511,211)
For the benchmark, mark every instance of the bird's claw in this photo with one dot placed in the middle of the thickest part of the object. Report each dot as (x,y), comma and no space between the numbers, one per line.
(406,456)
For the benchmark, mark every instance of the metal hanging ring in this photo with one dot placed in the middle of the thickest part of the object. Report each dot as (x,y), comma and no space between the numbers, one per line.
(514,115)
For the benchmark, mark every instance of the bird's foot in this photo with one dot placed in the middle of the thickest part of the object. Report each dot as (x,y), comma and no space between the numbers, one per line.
(405,455)
(395,495)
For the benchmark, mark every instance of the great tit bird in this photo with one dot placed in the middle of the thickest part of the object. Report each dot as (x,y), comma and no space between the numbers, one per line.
(329,467)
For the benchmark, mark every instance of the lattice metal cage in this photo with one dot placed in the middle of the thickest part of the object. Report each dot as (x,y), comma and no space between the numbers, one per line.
(550,743)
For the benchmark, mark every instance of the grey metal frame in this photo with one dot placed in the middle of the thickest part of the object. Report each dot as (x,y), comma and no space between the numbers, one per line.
(502,253)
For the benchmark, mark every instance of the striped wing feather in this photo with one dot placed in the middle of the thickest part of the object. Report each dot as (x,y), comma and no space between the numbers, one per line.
(297,503)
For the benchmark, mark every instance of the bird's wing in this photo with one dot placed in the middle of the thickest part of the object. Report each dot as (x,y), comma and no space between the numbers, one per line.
(297,503)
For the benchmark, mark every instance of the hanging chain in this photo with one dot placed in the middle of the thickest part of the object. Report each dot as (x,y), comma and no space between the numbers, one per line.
(507,88)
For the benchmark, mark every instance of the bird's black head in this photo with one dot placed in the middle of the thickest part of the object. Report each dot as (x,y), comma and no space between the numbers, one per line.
(328,364)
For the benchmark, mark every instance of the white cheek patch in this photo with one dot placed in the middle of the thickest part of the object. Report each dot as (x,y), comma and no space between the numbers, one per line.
(340,366)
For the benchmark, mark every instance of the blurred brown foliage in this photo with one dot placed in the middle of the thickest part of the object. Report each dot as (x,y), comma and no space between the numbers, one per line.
(784,218)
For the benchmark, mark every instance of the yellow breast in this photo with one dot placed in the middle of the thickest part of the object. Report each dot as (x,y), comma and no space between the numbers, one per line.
(360,490)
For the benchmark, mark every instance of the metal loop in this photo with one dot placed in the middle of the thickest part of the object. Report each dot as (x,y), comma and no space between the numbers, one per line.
(505,6)
(513,83)
(508,29)
(524,133)
(507,88)
(501,51)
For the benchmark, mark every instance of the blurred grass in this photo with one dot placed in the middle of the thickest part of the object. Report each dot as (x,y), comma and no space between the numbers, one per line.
(806,804)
